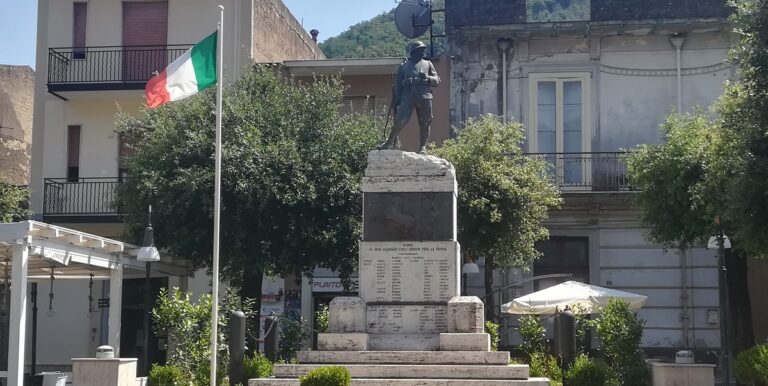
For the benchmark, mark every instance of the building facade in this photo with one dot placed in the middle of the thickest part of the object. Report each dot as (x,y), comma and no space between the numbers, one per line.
(589,79)
(94,58)
(16,100)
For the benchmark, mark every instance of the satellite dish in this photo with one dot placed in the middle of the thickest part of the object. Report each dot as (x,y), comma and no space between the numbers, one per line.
(413,17)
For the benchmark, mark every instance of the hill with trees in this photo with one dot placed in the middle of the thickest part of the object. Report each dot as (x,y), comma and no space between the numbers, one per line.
(378,37)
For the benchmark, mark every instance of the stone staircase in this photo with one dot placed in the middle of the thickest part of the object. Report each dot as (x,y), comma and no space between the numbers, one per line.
(409,368)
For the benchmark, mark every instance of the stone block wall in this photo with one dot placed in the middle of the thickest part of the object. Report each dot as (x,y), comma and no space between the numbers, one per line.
(16,102)
(278,36)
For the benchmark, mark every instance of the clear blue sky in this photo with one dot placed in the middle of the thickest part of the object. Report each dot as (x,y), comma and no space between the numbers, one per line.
(331,17)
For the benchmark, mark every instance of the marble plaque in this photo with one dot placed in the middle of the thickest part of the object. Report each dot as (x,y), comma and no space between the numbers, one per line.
(425,271)
(406,319)
(416,216)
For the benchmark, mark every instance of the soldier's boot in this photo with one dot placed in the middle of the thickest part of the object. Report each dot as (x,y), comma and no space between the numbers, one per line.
(423,140)
(392,139)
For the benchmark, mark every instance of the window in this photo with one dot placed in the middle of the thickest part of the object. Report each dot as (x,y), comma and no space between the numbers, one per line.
(73,153)
(559,125)
(79,12)
(365,104)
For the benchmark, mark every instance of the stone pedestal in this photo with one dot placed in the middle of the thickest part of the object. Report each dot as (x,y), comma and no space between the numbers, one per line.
(97,372)
(410,264)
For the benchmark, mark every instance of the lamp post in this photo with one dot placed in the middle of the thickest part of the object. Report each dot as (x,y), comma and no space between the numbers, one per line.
(721,242)
(148,253)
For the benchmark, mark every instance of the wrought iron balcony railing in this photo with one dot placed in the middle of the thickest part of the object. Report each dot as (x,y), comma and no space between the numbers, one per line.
(80,197)
(591,172)
(107,67)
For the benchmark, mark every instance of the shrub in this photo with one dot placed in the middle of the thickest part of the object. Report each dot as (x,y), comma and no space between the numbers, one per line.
(585,371)
(620,332)
(321,318)
(752,365)
(167,376)
(257,366)
(492,328)
(327,376)
(293,332)
(532,333)
(543,365)
(583,328)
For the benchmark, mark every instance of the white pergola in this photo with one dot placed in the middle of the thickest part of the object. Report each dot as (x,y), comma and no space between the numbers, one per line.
(33,249)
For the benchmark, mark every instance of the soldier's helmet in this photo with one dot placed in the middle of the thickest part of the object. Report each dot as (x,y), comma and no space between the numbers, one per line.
(414,45)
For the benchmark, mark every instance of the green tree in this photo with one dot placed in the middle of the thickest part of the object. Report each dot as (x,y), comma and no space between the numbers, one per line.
(379,37)
(720,172)
(13,202)
(503,197)
(291,178)
(686,189)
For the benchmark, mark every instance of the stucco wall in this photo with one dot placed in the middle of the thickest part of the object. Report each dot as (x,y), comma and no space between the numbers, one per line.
(278,36)
(632,79)
(16,102)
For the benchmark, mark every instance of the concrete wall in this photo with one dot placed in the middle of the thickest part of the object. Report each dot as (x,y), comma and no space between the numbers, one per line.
(278,36)
(16,101)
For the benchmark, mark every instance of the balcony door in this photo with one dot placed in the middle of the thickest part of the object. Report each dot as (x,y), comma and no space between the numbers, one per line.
(559,125)
(145,36)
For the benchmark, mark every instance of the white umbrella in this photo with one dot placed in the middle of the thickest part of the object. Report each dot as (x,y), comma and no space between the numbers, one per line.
(571,294)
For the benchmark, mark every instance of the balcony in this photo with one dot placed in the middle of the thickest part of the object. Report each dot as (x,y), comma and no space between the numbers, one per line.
(107,68)
(588,172)
(81,200)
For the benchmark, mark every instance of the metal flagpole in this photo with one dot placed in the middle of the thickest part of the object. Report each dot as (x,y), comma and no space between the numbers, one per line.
(217,198)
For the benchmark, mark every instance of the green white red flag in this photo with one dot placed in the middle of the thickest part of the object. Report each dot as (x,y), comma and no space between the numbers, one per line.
(192,72)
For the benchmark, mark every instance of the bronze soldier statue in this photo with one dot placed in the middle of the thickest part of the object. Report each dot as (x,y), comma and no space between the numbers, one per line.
(413,89)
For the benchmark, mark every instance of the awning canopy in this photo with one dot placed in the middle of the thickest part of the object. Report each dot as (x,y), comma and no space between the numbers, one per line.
(570,294)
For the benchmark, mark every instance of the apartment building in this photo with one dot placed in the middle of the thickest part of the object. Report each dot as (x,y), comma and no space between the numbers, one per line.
(589,79)
(93,60)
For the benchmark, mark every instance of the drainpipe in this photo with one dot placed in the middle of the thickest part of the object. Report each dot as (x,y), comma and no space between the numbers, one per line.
(678,40)
(686,317)
(505,46)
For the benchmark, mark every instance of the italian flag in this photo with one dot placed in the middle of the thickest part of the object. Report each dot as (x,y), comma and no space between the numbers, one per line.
(192,72)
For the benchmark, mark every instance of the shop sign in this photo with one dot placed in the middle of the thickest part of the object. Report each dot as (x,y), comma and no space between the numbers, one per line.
(332,284)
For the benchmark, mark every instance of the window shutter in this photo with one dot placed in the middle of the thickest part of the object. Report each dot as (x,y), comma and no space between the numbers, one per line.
(79,12)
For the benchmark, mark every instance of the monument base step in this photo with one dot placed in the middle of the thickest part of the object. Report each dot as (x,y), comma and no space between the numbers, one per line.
(413,382)
(414,371)
(405,357)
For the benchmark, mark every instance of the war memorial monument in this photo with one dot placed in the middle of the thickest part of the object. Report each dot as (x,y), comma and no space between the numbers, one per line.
(409,325)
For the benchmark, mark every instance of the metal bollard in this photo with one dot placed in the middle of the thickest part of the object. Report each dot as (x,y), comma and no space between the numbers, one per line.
(565,337)
(237,348)
(270,339)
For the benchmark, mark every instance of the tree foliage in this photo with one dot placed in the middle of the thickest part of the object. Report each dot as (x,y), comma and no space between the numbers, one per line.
(379,37)
(679,181)
(291,176)
(13,202)
(504,196)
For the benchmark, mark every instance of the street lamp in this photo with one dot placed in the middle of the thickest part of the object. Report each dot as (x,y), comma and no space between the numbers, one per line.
(721,242)
(148,253)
